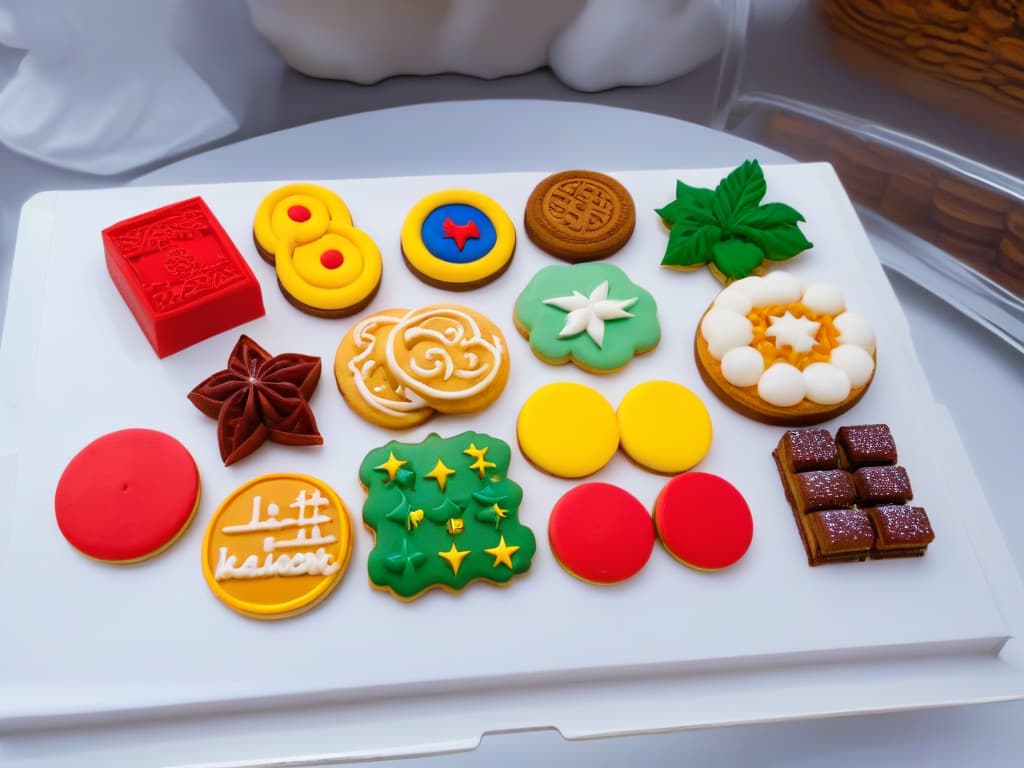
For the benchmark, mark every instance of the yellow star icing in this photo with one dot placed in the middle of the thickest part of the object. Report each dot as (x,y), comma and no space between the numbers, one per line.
(392,465)
(502,553)
(499,511)
(455,556)
(456,525)
(440,473)
(481,464)
(415,518)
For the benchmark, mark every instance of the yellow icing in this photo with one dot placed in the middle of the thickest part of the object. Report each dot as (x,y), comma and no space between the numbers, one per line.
(440,472)
(568,429)
(502,554)
(275,596)
(827,336)
(304,277)
(391,466)
(424,262)
(272,224)
(454,556)
(664,426)
(481,464)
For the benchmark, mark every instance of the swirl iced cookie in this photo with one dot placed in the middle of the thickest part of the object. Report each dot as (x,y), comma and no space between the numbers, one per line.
(365,381)
(277,546)
(296,213)
(452,357)
(325,266)
(127,496)
(579,216)
(458,239)
(443,513)
(784,353)
(591,315)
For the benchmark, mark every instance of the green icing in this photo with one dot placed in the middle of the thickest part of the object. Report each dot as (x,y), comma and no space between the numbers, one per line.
(562,314)
(728,226)
(405,557)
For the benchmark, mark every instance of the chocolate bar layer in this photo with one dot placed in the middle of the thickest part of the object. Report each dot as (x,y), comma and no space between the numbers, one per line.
(805,450)
(827,489)
(839,535)
(865,446)
(901,530)
(882,485)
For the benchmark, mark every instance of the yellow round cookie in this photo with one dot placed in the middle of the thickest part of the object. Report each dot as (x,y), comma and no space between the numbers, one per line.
(664,427)
(335,275)
(453,357)
(277,546)
(567,430)
(458,239)
(366,383)
(296,213)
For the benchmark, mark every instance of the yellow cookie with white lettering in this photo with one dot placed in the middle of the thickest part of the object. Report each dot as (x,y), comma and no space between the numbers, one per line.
(366,383)
(453,357)
(277,546)
(296,213)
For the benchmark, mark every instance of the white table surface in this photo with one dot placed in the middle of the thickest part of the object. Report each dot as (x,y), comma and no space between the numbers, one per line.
(977,376)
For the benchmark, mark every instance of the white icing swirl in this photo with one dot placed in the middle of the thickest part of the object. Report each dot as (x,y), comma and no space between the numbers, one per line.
(854,329)
(855,362)
(364,366)
(824,299)
(724,329)
(825,384)
(742,366)
(782,385)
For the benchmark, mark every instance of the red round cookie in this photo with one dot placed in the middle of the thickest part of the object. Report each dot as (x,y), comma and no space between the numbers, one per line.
(703,521)
(600,533)
(127,495)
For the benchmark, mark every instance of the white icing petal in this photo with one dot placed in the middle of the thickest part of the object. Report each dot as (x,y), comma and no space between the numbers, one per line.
(734,299)
(742,366)
(855,362)
(824,299)
(782,385)
(854,329)
(795,332)
(589,313)
(724,329)
(826,384)
(779,288)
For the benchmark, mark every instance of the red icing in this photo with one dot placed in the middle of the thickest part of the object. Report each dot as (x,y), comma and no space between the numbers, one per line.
(180,274)
(703,520)
(601,533)
(460,233)
(331,259)
(126,495)
(299,213)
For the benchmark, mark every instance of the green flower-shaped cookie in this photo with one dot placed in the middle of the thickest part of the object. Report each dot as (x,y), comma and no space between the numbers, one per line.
(728,228)
(590,314)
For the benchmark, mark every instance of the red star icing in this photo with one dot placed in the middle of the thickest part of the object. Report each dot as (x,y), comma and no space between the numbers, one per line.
(258,398)
(460,233)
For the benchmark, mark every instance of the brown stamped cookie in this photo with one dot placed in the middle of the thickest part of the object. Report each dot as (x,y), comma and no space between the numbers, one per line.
(580,216)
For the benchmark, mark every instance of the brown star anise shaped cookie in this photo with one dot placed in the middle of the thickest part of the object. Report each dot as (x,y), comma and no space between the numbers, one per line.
(258,398)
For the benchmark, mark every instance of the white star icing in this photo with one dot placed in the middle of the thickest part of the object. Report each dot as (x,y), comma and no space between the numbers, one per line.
(795,332)
(589,313)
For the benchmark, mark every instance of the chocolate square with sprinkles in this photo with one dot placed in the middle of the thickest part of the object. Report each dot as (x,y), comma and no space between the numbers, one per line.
(882,485)
(865,446)
(902,530)
(827,489)
(840,534)
(806,450)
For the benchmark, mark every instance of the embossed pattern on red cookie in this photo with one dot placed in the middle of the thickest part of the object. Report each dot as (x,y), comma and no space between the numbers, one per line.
(181,275)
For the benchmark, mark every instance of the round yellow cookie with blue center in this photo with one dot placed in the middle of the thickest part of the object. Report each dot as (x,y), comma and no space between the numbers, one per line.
(458,239)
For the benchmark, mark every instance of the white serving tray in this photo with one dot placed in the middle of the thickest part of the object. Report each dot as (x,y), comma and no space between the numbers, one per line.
(87,648)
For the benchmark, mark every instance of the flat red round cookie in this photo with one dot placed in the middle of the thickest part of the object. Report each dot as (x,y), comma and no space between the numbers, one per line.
(703,521)
(600,533)
(127,495)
